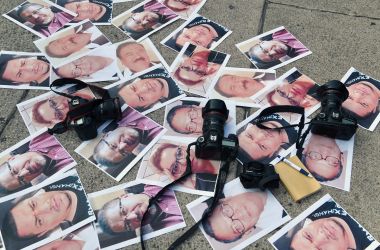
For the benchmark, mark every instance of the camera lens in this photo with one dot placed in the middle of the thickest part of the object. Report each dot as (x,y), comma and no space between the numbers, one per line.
(109,109)
(214,114)
(332,94)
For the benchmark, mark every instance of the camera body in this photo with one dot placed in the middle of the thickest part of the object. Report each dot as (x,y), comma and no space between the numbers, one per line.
(332,121)
(258,175)
(212,144)
(85,115)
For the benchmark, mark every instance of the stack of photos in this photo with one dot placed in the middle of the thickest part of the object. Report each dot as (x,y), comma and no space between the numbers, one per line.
(144,19)
(85,238)
(273,49)
(119,211)
(148,90)
(195,67)
(33,160)
(240,85)
(266,145)
(43,18)
(329,160)
(184,8)
(98,65)
(45,212)
(97,11)
(197,31)
(71,43)
(134,57)
(24,70)
(324,225)
(49,109)
(241,216)
(166,161)
(292,88)
(363,100)
(120,145)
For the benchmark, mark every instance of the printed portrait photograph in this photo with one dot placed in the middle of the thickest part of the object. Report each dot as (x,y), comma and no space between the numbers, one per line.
(144,19)
(121,144)
(71,43)
(32,161)
(183,118)
(198,31)
(195,67)
(42,18)
(148,90)
(98,12)
(166,162)
(97,66)
(240,85)
(273,49)
(293,88)
(240,217)
(45,213)
(329,160)
(184,8)
(48,109)
(265,145)
(134,57)
(24,70)
(85,238)
(119,211)
(363,99)
(324,225)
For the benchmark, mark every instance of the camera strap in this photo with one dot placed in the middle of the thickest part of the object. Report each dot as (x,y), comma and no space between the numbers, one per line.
(223,172)
(287,109)
(62,127)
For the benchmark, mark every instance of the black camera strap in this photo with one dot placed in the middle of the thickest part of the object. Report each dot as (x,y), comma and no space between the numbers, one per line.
(223,172)
(62,127)
(286,109)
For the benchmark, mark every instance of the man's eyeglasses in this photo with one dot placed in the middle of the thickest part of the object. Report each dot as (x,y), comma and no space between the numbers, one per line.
(139,22)
(287,96)
(266,52)
(127,224)
(236,225)
(193,69)
(331,160)
(58,114)
(114,147)
(176,167)
(20,179)
(192,114)
(77,70)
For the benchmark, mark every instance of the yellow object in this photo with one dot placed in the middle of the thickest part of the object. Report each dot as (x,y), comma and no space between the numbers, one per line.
(298,185)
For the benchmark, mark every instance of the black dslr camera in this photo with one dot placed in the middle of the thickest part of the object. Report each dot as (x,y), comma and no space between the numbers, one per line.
(212,144)
(84,115)
(258,175)
(332,121)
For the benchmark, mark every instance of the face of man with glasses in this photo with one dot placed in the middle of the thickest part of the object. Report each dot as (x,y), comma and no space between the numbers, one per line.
(54,109)
(292,94)
(180,5)
(323,157)
(84,67)
(188,120)
(20,169)
(37,14)
(268,51)
(141,21)
(124,213)
(116,145)
(236,216)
